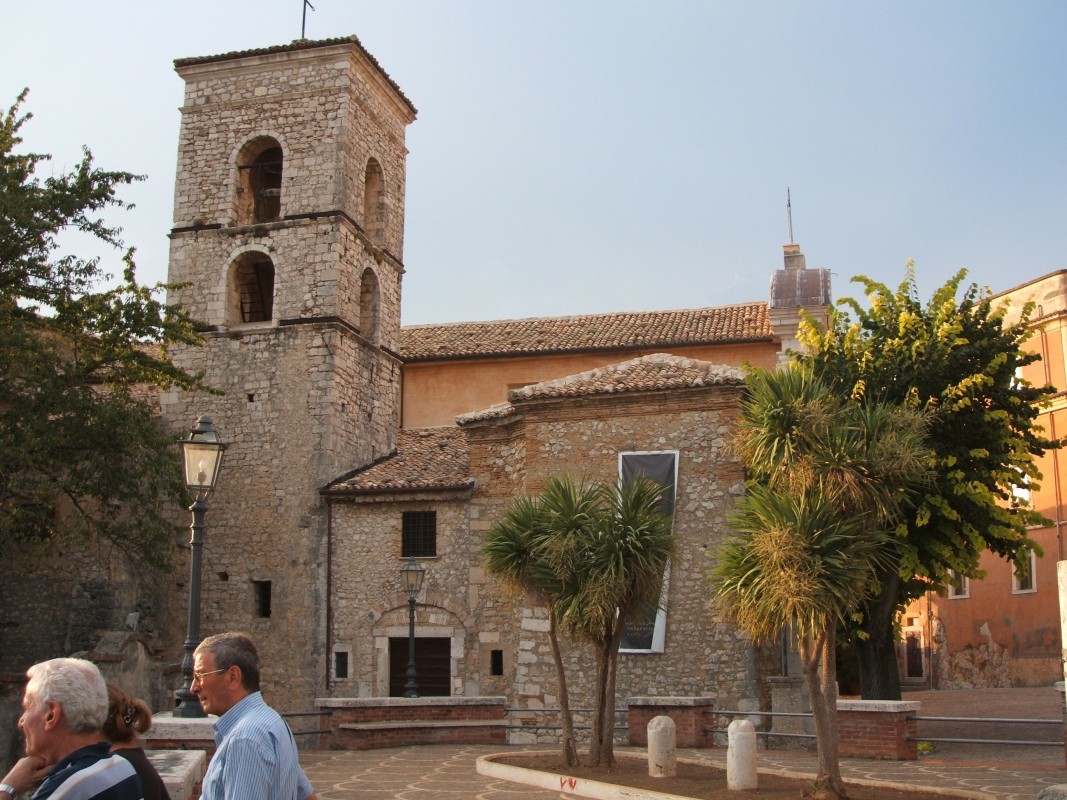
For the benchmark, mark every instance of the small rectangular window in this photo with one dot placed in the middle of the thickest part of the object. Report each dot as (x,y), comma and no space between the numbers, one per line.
(261,597)
(340,665)
(1022,580)
(496,662)
(959,586)
(419,536)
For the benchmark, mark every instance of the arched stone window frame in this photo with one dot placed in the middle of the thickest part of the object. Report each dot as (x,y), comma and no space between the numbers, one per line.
(236,311)
(375,201)
(243,209)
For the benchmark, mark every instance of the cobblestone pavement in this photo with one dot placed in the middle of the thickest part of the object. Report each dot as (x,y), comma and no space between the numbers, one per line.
(1005,771)
(448,771)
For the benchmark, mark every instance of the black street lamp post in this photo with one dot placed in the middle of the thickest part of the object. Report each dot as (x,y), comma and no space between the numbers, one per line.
(201,457)
(411,575)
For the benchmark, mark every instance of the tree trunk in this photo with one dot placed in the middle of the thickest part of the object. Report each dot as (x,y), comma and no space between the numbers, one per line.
(570,749)
(596,742)
(607,748)
(820,673)
(879,674)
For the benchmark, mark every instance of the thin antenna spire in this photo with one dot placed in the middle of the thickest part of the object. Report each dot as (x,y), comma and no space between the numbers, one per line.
(789,212)
(304,18)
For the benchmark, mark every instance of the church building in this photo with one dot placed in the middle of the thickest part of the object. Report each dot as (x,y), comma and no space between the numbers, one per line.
(355,445)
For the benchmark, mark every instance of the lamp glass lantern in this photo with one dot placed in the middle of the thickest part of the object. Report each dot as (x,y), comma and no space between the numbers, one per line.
(411,575)
(202,456)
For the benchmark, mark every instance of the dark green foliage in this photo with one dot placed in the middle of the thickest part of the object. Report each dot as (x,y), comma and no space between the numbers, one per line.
(81,453)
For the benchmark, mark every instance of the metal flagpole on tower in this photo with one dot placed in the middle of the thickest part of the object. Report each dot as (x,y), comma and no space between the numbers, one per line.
(304,18)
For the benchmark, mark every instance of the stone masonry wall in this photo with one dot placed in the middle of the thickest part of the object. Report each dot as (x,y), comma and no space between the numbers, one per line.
(368,605)
(326,107)
(296,412)
(703,655)
(307,394)
(318,266)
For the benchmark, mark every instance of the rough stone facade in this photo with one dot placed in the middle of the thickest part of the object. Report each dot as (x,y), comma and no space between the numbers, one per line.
(309,376)
(512,450)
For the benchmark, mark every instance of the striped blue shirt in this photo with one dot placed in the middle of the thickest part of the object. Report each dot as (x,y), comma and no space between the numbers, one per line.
(91,773)
(255,756)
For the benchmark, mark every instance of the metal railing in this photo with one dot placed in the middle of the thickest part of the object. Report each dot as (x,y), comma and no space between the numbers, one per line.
(997,720)
(757,713)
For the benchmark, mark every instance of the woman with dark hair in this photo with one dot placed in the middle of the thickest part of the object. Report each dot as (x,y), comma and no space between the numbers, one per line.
(127,717)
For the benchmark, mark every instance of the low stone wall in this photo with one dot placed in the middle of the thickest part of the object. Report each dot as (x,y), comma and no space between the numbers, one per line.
(181,733)
(693,725)
(367,723)
(879,729)
(182,771)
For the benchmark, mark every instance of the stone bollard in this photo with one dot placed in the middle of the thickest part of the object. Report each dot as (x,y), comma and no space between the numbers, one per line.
(741,756)
(662,747)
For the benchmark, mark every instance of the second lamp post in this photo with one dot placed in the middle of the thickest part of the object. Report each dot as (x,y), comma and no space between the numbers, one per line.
(201,455)
(411,575)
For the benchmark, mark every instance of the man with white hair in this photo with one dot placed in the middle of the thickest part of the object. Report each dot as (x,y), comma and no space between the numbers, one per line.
(63,710)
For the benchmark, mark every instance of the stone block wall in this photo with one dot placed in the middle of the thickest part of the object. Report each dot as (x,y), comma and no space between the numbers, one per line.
(367,605)
(703,655)
(302,404)
(328,107)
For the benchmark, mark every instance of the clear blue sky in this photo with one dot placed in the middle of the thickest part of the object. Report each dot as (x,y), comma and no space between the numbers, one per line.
(579,156)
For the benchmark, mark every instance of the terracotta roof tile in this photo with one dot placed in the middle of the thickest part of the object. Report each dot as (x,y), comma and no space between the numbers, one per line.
(498,411)
(692,326)
(656,372)
(424,459)
(297,44)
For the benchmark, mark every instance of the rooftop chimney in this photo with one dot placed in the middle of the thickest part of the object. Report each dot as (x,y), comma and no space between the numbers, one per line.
(794,259)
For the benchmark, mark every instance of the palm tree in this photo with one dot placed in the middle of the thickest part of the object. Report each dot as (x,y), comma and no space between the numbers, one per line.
(618,564)
(514,551)
(797,560)
(828,479)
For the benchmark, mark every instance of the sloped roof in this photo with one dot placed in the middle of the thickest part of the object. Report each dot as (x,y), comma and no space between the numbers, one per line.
(425,459)
(588,332)
(298,44)
(656,372)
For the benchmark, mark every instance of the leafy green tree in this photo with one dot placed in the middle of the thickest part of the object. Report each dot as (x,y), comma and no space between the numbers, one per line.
(80,447)
(959,361)
(828,477)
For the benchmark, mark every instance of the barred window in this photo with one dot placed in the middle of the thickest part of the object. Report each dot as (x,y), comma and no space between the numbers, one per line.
(419,539)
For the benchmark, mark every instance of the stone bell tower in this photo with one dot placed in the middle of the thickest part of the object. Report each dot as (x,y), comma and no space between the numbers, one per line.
(289,233)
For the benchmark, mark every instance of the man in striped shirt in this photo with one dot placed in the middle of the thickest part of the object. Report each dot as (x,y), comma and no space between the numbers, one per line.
(255,754)
(63,710)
